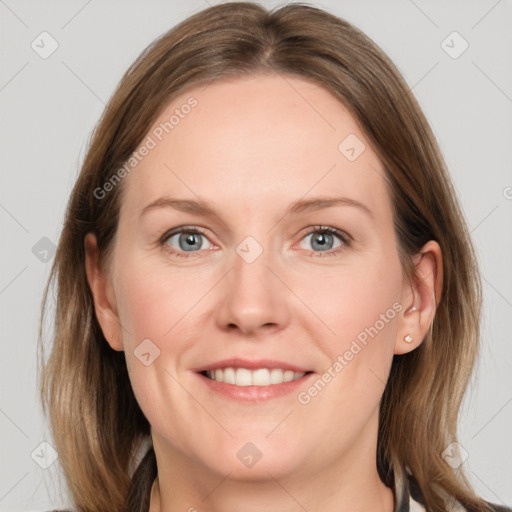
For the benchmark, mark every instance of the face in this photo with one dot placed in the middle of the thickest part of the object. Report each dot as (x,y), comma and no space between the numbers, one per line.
(226,264)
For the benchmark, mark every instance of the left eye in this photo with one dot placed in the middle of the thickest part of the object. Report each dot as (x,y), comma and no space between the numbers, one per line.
(325,238)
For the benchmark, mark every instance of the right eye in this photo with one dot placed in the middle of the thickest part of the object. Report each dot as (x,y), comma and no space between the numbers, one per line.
(185,239)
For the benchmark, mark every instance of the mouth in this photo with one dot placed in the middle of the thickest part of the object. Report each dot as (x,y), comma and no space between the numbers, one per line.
(244,377)
(252,381)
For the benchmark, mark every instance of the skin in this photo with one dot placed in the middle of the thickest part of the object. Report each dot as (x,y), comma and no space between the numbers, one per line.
(252,147)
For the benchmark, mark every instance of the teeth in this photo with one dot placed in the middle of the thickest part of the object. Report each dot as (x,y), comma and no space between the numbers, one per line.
(228,375)
(243,377)
(259,377)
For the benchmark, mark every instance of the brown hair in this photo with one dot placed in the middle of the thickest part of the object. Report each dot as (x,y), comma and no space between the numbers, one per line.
(97,424)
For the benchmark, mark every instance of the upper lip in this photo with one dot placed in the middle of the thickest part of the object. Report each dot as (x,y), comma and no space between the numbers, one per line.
(237,362)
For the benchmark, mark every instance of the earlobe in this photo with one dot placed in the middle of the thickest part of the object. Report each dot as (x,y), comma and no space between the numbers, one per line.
(103,295)
(421,298)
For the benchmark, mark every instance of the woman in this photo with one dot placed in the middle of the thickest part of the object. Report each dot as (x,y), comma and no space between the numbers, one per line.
(267,297)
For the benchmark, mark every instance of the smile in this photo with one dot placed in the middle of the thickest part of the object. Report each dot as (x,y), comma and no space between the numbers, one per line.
(257,377)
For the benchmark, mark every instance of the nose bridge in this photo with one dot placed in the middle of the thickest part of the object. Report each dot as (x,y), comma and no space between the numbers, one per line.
(252,295)
(250,265)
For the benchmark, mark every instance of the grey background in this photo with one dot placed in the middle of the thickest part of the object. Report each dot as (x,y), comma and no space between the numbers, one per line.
(49,107)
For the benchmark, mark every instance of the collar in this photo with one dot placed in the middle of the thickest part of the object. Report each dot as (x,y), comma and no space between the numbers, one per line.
(407,494)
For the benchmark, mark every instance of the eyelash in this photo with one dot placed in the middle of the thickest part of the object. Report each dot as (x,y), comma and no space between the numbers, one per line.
(345,239)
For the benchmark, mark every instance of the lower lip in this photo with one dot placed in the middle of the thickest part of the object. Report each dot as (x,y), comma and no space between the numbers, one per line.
(254,393)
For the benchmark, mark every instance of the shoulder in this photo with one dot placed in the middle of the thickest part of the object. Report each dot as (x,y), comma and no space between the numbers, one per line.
(493,508)
(416,503)
(417,506)
(498,508)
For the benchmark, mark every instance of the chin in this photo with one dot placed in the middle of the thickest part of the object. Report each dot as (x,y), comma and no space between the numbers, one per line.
(251,461)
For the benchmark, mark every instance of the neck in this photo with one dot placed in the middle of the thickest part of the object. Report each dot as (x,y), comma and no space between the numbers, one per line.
(350,483)
(274,495)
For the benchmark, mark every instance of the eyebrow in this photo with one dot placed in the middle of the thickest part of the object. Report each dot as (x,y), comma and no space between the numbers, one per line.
(203,209)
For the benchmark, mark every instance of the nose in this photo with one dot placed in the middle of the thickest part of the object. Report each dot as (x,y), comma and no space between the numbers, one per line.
(254,298)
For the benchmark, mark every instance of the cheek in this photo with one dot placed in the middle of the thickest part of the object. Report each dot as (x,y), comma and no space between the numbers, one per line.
(356,302)
(154,301)
(360,309)
(156,311)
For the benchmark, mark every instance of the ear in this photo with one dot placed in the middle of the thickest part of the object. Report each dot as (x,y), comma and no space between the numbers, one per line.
(103,294)
(420,297)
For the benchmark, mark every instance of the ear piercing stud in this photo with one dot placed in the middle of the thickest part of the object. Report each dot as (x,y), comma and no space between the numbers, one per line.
(408,338)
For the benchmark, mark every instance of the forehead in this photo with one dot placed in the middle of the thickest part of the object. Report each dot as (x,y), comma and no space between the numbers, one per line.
(256,143)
